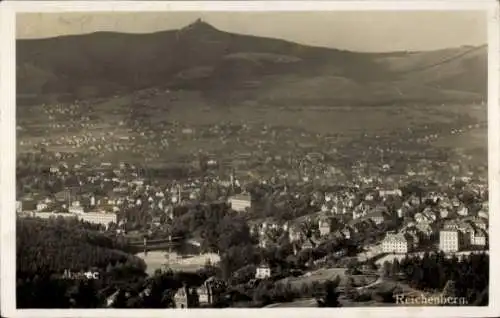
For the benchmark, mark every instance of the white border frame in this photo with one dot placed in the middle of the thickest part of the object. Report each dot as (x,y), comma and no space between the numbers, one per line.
(8,149)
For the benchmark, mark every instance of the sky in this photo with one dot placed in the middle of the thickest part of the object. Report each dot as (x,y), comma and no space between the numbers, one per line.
(368,31)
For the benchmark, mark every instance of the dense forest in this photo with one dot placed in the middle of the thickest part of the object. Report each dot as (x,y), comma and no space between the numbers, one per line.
(434,271)
(48,248)
(53,246)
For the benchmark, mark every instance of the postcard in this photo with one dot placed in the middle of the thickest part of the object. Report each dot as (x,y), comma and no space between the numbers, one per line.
(241,158)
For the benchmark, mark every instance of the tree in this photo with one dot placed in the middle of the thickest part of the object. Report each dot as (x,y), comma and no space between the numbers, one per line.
(349,289)
(120,300)
(329,296)
(385,296)
(470,274)
(386,269)
(236,257)
(135,302)
(41,292)
(84,295)
(417,276)
(395,269)
(305,290)
(243,275)
(233,231)
(261,293)
(41,250)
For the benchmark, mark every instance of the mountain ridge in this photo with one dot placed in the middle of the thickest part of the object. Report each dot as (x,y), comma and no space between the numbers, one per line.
(209,26)
(105,63)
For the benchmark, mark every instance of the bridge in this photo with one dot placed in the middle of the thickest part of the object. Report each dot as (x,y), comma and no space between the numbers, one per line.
(174,240)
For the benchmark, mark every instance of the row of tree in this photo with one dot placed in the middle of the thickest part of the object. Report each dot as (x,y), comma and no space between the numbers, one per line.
(434,271)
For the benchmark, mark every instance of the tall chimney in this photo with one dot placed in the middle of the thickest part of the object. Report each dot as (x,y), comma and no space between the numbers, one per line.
(179,194)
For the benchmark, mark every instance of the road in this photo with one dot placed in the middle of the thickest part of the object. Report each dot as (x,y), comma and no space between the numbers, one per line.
(377,282)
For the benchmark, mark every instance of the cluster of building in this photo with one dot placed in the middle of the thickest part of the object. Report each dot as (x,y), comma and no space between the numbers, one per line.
(451,230)
(412,223)
(75,211)
(205,295)
(462,234)
(108,193)
(363,205)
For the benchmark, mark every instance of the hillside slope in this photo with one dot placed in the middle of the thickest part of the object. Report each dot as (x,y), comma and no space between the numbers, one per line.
(222,65)
(55,246)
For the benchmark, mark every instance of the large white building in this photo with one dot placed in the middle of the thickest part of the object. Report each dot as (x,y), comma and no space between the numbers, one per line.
(240,202)
(98,218)
(393,192)
(449,240)
(50,215)
(398,243)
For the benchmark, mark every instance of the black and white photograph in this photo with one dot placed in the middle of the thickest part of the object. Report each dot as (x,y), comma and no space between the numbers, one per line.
(259,159)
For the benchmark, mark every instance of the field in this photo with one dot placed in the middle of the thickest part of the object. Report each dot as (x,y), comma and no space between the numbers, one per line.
(163,126)
(323,119)
(475,138)
(345,120)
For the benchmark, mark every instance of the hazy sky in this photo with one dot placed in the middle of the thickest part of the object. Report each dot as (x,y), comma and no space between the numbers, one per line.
(358,31)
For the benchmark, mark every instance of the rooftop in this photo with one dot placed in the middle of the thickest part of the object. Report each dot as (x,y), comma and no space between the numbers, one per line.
(241,196)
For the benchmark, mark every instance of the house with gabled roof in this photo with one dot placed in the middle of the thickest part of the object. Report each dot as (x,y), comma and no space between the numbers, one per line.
(263,271)
(378,215)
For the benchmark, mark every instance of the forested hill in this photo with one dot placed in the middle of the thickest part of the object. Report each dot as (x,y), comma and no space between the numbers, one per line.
(53,246)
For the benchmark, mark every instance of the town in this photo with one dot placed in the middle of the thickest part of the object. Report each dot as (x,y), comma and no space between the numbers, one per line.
(320,209)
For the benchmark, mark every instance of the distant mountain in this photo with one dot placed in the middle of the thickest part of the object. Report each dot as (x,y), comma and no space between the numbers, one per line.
(227,66)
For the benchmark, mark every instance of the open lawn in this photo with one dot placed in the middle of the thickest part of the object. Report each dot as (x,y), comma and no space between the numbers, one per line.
(325,274)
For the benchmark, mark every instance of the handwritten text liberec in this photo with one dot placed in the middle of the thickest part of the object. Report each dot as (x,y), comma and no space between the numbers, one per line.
(80,275)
